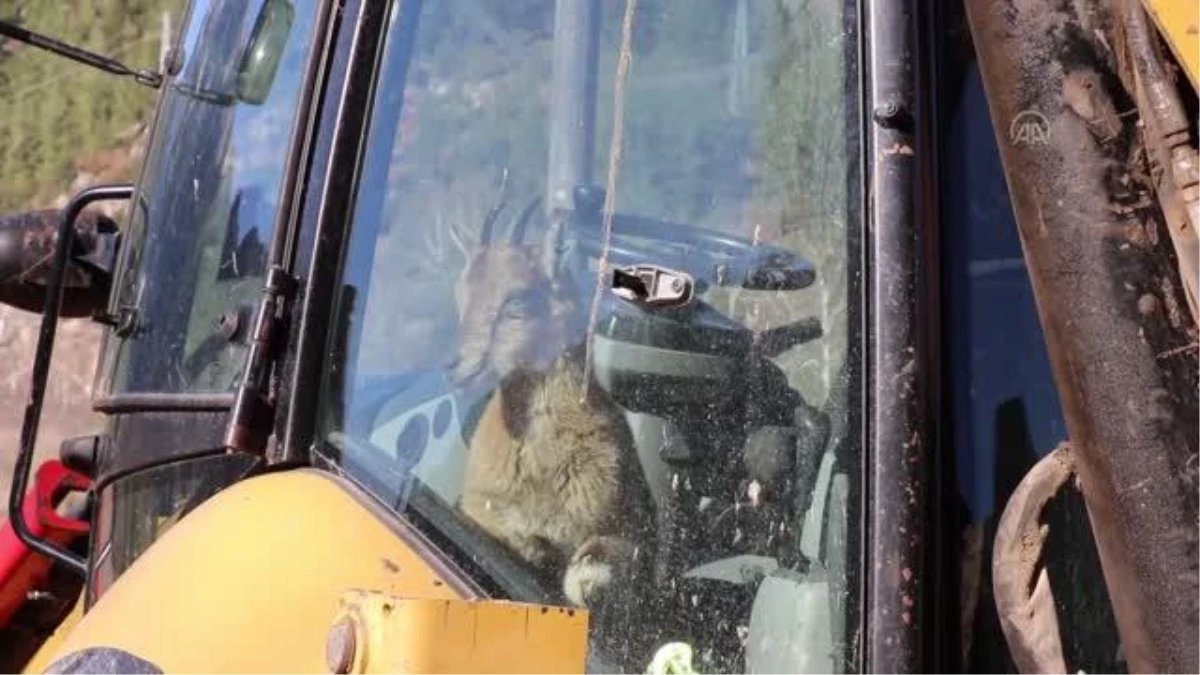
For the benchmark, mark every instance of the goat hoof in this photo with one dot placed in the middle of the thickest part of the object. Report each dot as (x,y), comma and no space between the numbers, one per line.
(594,567)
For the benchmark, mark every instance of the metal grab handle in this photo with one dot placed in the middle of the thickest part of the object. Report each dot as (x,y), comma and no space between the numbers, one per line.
(41,370)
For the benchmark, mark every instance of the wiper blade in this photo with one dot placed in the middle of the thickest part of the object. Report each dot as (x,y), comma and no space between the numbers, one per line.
(148,78)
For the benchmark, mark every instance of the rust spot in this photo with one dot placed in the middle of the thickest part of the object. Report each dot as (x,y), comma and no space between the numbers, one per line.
(1147,304)
(1174,312)
(570,612)
(390,566)
(1193,347)
(1135,233)
(387,609)
(1078,88)
(545,610)
(438,582)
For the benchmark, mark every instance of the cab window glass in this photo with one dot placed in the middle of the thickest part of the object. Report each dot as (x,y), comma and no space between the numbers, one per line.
(200,232)
(137,510)
(592,329)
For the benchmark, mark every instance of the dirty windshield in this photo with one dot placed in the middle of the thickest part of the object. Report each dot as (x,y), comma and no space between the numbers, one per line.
(592,329)
(201,225)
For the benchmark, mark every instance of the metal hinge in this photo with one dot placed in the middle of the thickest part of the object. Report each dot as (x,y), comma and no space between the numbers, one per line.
(253,413)
(123,321)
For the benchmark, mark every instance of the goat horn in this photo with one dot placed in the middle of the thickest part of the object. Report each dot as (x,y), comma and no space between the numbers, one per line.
(518,230)
(489,223)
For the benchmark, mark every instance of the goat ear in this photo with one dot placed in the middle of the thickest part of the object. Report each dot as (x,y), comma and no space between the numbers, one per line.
(519,226)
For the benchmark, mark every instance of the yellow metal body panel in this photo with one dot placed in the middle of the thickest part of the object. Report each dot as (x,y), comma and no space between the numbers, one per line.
(1179,21)
(250,581)
(420,635)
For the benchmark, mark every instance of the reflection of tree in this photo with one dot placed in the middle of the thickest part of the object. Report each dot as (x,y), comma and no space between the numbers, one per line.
(734,121)
(801,196)
(484,98)
(52,111)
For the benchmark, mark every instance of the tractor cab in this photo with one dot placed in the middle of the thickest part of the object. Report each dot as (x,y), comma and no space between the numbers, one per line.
(635,336)
(709,303)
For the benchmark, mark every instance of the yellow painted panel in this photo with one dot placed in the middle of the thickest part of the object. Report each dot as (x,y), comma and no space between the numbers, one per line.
(1179,21)
(251,580)
(399,635)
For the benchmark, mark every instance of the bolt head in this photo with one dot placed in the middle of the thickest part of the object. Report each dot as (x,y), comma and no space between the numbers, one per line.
(340,647)
(228,324)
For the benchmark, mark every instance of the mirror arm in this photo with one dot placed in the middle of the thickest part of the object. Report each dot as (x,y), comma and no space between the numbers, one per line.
(147,78)
(41,370)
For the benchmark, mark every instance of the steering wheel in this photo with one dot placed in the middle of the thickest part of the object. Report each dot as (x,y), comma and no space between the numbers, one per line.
(710,257)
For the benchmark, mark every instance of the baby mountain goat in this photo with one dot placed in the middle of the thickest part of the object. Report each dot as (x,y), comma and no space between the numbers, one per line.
(552,472)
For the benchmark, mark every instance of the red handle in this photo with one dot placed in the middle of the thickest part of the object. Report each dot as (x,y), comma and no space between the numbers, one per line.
(52,483)
(21,570)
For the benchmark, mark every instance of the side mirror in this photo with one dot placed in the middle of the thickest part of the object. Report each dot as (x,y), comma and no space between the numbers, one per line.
(264,51)
(27,253)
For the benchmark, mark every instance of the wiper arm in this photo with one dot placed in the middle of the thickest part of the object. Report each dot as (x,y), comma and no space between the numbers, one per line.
(148,78)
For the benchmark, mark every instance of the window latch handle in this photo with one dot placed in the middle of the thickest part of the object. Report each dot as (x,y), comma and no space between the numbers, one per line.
(652,286)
